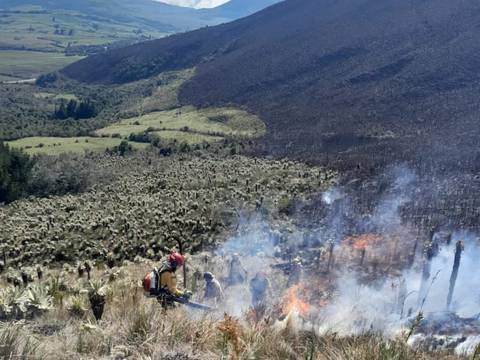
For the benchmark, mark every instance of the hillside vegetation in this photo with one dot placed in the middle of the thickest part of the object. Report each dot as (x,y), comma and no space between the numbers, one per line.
(150,204)
(30,110)
(75,118)
(134,327)
(61,253)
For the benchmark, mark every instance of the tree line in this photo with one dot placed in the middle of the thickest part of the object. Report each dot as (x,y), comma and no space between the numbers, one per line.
(75,110)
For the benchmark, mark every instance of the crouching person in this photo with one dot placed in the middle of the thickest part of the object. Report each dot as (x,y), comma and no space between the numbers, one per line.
(162,282)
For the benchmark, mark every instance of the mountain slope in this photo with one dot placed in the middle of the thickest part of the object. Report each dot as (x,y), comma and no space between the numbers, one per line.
(365,80)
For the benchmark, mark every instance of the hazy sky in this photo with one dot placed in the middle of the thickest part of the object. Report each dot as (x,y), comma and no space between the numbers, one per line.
(196,3)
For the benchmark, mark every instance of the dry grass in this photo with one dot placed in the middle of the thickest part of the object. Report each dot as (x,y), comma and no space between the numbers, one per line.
(136,327)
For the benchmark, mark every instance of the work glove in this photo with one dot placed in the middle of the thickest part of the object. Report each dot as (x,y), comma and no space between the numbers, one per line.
(187,295)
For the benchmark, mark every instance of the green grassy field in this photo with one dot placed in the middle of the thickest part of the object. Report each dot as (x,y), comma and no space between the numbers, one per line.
(29,64)
(186,137)
(42,37)
(190,124)
(55,30)
(57,146)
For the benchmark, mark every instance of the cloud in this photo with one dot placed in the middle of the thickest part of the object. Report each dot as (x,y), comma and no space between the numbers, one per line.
(198,4)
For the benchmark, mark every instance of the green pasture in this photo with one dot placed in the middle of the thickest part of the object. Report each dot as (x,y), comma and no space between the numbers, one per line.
(57,146)
(55,30)
(30,64)
(190,123)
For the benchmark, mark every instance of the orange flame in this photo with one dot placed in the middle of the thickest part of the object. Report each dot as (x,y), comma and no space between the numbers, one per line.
(293,301)
(361,242)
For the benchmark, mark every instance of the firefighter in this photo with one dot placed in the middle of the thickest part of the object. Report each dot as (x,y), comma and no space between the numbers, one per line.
(260,289)
(162,283)
(213,289)
(236,273)
(168,278)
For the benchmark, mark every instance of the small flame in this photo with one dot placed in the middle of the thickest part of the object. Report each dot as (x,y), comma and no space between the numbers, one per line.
(293,301)
(361,242)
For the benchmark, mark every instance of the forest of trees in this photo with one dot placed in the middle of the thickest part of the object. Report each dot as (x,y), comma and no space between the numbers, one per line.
(75,110)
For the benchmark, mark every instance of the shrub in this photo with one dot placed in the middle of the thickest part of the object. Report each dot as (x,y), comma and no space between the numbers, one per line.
(15,173)
(62,175)
(47,79)
(286,205)
(141,138)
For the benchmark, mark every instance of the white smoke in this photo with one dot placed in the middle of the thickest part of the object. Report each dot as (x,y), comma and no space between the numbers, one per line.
(254,242)
(358,308)
(388,305)
(385,305)
(331,195)
(386,215)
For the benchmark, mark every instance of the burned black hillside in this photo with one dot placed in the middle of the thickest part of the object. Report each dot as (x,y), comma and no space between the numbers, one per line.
(355,85)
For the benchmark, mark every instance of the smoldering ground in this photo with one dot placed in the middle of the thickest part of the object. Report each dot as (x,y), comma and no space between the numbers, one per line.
(364,272)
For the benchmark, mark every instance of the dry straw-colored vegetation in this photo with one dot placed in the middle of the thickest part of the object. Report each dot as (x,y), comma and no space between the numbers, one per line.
(135,327)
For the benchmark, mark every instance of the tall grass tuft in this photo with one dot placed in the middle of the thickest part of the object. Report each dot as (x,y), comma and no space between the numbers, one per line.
(14,345)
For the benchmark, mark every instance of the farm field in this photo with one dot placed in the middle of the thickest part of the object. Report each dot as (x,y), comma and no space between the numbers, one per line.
(16,65)
(190,124)
(57,145)
(33,42)
(56,30)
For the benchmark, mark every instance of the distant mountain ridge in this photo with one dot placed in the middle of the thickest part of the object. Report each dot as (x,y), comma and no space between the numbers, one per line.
(163,16)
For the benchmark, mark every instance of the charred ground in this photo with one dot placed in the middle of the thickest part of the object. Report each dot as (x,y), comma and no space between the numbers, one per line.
(354,85)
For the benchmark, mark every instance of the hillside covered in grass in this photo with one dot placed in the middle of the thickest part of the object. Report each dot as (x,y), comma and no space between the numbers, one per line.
(136,327)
